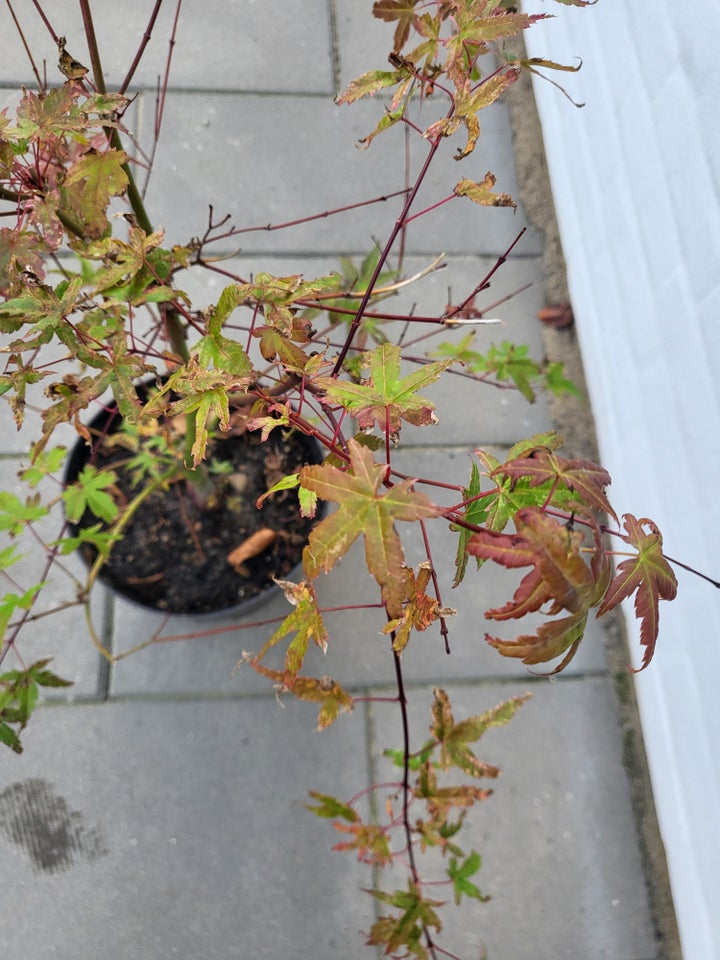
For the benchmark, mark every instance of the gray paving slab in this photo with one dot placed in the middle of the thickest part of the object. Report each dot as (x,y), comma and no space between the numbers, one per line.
(559,852)
(271,159)
(160,830)
(219,46)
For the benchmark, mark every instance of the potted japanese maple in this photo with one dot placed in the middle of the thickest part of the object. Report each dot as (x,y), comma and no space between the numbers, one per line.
(160,393)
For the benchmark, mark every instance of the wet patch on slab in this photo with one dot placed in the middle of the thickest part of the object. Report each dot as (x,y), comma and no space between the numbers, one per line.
(55,837)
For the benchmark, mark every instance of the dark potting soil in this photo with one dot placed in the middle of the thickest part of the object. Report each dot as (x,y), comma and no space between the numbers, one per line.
(173,555)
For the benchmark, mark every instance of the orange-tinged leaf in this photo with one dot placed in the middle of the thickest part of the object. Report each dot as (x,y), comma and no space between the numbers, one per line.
(364,510)
(455,737)
(582,477)
(401,10)
(482,192)
(442,801)
(369,83)
(370,840)
(334,699)
(552,639)
(560,577)
(305,621)
(98,176)
(420,610)
(560,573)
(386,398)
(648,575)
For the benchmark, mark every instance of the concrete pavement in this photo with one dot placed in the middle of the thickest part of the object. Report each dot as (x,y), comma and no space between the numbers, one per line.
(157,811)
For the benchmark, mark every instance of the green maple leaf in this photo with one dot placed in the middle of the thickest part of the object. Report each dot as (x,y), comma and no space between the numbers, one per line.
(455,737)
(386,398)
(475,512)
(648,575)
(19,693)
(97,177)
(305,621)
(512,494)
(460,874)
(15,513)
(123,261)
(369,83)
(581,477)
(89,493)
(203,392)
(363,510)
(415,914)
(331,808)
(43,310)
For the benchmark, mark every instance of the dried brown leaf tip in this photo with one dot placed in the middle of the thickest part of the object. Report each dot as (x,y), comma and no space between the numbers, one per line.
(69,67)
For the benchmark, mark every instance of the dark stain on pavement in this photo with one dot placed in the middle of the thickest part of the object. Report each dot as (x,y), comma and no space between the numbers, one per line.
(54,836)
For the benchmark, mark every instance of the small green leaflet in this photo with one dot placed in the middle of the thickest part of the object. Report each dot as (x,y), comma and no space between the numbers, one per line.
(89,492)
(460,873)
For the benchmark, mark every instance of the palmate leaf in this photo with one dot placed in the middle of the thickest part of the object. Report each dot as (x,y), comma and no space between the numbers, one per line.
(305,621)
(469,101)
(582,477)
(330,807)
(369,839)
(460,874)
(560,577)
(401,10)
(324,690)
(89,492)
(363,510)
(454,738)
(97,177)
(648,575)
(386,398)
(553,638)
(19,693)
(369,83)
(442,802)
(482,192)
(559,573)
(43,119)
(19,250)
(512,495)
(415,914)
(421,609)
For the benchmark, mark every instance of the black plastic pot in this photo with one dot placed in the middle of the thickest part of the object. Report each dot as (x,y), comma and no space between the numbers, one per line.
(173,553)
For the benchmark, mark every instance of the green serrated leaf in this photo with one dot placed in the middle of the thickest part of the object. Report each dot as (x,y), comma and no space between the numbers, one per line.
(328,806)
